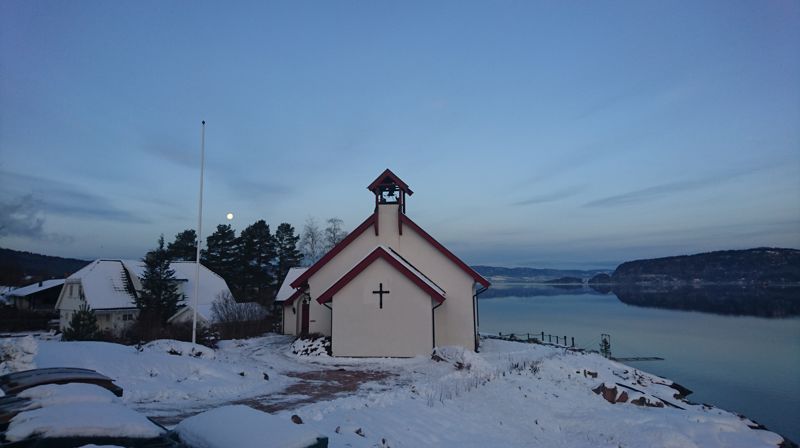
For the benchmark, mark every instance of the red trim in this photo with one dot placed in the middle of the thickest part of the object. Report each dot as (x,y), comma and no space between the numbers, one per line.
(477,277)
(389,174)
(379,252)
(294,296)
(336,249)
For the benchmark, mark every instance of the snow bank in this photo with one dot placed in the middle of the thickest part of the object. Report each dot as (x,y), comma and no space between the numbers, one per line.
(179,348)
(243,427)
(81,419)
(312,347)
(17,354)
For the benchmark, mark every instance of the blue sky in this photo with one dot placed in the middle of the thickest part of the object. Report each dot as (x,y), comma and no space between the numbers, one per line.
(533,133)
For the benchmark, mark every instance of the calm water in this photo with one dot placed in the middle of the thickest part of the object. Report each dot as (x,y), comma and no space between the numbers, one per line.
(744,363)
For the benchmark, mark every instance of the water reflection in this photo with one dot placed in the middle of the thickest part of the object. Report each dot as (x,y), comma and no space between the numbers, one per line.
(770,302)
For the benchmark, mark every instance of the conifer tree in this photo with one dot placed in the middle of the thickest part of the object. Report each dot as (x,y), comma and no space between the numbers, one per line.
(184,248)
(286,246)
(221,254)
(160,294)
(82,325)
(256,256)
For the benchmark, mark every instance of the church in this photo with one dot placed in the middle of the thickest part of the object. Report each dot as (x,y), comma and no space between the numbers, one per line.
(389,289)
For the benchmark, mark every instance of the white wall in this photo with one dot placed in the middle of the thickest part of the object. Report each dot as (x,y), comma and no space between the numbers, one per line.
(401,328)
(290,319)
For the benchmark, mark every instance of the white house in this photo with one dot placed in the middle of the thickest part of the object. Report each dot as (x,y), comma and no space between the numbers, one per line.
(388,288)
(110,288)
(290,318)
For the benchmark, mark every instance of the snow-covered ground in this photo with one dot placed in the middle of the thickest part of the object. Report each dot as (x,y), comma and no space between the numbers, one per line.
(511,394)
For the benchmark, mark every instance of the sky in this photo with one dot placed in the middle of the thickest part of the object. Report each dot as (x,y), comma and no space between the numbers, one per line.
(533,133)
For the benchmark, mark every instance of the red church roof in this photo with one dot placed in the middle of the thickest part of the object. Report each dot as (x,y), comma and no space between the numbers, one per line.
(388,175)
(372,220)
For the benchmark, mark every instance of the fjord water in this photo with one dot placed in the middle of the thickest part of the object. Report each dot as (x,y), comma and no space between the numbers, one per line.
(743,363)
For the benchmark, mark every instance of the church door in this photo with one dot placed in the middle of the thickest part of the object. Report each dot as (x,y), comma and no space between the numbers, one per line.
(304,318)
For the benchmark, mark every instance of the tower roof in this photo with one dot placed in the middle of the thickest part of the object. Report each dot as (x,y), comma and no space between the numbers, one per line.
(388,177)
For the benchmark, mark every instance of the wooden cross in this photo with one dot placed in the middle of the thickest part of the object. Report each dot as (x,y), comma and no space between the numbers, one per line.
(380,293)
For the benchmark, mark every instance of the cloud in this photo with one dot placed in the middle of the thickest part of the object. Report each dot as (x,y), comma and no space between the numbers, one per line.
(666,189)
(258,188)
(552,196)
(21,217)
(61,198)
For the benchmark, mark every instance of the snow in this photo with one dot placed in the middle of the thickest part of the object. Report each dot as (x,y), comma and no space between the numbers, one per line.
(17,354)
(105,284)
(110,284)
(81,419)
(510,394)
(286,289)
(35,287)
(58,394)
(243,427)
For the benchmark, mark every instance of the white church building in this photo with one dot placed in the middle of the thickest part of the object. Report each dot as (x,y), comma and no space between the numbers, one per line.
(387,289)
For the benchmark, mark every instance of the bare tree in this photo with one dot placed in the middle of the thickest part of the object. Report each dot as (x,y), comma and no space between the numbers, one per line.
(226,309)
(311,241)
(334,233)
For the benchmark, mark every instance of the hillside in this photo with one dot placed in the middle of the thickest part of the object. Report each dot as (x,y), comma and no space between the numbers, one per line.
(15,266)
(750,266)
(532,274)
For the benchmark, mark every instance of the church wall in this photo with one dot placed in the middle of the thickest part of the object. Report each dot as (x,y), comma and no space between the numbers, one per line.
(402,328)
(454,319)
(320,316)
(290,319)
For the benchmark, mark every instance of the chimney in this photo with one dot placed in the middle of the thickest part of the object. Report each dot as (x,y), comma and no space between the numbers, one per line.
(40,283)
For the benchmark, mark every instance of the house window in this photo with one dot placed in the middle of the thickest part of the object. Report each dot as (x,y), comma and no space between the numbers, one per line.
(127,317)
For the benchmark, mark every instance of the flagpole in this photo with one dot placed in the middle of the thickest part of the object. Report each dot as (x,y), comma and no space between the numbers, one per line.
(199,232)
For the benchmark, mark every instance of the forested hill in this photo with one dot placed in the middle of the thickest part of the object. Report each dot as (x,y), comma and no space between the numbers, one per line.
(750,266)
(531,274)
(16,265)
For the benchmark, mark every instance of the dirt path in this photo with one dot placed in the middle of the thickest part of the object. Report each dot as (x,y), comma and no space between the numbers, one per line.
(312,387)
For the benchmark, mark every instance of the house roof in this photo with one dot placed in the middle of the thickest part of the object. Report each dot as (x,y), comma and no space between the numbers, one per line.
(387,176)
(111,284)
(36,287)
(286,289)
(371,220)
(394,260)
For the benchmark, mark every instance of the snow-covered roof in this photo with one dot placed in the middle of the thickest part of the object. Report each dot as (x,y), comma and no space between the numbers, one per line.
(34,288)
(114,283)
(286,289)
(106,284)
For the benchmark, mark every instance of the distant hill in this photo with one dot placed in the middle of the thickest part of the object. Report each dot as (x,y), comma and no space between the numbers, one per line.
(750,266)
(532,274)
(16,266)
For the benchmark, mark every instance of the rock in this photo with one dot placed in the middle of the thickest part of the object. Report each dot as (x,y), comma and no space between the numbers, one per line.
(642,401)
(266,377)
(297,420)
(338,430)
(360,432)
(623,397)
(608,393)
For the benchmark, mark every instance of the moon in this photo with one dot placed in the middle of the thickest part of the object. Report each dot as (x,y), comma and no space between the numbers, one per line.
(229,216)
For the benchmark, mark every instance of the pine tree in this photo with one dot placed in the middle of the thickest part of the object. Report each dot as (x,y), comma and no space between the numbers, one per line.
(221,255)
(82,325)
(160,294)
(286,246)
(256,256)
(184,248)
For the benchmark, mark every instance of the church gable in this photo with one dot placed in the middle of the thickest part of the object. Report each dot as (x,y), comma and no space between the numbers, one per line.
(394,260)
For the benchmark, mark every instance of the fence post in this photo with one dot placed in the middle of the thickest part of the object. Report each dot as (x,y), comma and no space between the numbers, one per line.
(549,338)
(573,341)
(543,336)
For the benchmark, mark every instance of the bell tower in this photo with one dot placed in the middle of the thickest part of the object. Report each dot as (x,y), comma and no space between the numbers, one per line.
(389,189)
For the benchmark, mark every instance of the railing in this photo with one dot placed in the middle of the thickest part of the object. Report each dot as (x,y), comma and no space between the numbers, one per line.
(540,338)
